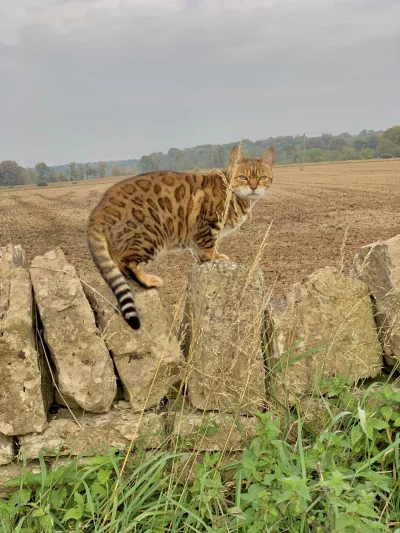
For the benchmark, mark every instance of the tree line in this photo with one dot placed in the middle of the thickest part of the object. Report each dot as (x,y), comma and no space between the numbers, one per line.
(368,144)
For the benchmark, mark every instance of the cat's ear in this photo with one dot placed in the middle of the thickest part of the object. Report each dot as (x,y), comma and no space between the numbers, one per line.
(268,156)
(236,155)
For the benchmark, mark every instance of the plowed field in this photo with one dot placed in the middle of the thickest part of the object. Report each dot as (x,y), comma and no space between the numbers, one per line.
(320,216)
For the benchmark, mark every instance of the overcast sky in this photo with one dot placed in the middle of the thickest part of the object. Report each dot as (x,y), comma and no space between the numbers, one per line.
(87,80)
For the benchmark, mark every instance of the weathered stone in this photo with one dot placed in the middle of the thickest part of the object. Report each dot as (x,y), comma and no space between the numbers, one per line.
(14,470)
(222,333)
(6,449)
(22,405)
(95,433)
(149,361)
(378,265)
(205,431)
(328,311)
(84,367)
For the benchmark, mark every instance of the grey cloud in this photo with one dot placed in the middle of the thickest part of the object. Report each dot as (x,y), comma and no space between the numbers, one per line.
(124,82)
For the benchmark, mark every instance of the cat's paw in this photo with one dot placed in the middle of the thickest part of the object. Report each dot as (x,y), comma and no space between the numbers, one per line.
(221,257)
(153,282)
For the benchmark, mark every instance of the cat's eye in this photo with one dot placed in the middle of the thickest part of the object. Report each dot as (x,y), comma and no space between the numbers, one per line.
(263,178)
(243,178)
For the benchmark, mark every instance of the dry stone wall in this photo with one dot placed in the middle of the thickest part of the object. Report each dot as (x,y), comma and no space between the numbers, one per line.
(75,378)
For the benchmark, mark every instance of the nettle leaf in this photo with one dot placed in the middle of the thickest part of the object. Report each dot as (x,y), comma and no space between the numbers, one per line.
(395,397)
(344,521)
(97,490)
(365,510)
(57,497)
(79,499)
(253,491)
(397,421)
(20,498)
(378,424)
(103,476)
(73,514)
(387,411)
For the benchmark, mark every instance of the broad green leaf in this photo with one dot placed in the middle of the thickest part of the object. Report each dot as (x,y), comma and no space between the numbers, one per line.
(73,514)
(103,476)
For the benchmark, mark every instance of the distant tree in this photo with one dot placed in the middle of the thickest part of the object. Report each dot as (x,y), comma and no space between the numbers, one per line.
(61,176)
(181,160)
(289,152)
(90,172)
(366,153)
(315,142)
(389,143)
(337,143)
(219,156)
(146,164)
(115,171)
(11,173)
(52,176)
(43,171)
(348,153)
(102,169)
(359,143)
(372,141)
(73,173)
(173,151)
(80,172)
(315,155)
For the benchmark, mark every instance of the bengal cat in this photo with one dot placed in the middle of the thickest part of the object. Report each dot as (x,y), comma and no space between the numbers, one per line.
(140,217)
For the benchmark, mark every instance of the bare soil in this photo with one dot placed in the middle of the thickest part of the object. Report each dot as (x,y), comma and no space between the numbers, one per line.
(319,215)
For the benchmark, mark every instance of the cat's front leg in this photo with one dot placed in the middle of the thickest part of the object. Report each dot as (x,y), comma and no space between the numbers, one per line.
(209,255)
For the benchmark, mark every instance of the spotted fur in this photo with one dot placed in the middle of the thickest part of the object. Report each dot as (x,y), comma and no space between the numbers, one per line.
(140,217)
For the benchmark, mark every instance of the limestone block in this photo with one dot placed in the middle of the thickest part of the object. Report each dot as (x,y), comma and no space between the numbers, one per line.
(378,265)
(149,361)
(205,431)
(83,365)
(6,449)
(22,403)
(94,433)
(328,311)
(222,332)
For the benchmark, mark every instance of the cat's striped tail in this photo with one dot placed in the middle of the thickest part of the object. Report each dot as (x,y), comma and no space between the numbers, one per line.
(111,274)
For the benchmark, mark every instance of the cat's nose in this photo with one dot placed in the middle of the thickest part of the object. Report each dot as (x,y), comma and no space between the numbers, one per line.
(253,186)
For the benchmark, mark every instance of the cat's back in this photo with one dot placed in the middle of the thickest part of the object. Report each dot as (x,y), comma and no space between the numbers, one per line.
(158,185)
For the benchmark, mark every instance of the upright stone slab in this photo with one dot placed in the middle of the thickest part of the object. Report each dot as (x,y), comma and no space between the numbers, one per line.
(84,367)
(378,265)
(222,332)
(328,311)
(95,433)
(149,361)
(22,405)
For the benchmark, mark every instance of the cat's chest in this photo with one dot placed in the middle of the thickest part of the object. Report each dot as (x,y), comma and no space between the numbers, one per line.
(233,225)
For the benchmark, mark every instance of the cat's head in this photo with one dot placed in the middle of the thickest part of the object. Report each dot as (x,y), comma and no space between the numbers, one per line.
(251,178)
